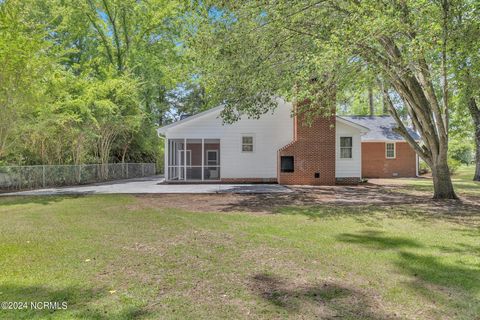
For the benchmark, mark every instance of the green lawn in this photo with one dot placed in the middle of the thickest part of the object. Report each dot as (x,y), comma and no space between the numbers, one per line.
(462,181)
(116,257)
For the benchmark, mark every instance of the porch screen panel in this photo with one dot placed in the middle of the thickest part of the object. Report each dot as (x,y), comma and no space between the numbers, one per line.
(194,159)
(211,159)
(176,158)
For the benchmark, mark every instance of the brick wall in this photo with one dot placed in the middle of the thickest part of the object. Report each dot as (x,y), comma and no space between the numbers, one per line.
(314,153)
(376,165)
(196,149)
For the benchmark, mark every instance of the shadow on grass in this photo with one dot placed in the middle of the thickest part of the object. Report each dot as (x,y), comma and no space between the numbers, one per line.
(437,277)
(377,240)
(324,300)
(81,303)
(43,200)
(359,202)
(461,248)
(373,215)
(367,205)
(431,270)
(460,185)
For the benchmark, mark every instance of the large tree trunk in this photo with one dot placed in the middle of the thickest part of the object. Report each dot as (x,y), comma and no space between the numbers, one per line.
(442,183)
(475,113)
(415,88)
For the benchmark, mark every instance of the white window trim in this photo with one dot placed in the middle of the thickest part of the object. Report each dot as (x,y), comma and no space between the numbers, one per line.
(394,150)
(340,148)
(253,142)
(215,151)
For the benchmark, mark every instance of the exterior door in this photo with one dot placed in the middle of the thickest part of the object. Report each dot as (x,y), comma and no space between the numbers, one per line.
(212,164)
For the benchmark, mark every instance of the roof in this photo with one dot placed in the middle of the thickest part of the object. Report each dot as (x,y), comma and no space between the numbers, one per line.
(381,128)
(163,130)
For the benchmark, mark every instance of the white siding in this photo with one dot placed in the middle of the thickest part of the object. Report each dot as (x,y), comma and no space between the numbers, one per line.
(270,132)
(345,168)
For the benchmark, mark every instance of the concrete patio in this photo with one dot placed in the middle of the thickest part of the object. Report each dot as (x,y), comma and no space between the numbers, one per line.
(153,185)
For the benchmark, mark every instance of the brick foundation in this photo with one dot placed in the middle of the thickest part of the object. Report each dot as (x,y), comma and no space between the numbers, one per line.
(348,181)
(376,165)
(313,150)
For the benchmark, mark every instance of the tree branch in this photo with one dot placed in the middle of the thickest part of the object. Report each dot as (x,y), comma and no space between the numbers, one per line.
(402,130)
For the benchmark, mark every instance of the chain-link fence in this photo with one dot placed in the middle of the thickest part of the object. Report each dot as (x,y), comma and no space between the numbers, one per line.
(32,177)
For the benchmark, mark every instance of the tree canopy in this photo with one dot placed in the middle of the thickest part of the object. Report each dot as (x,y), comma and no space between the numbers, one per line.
(86,81)
(89,81)
(250,51)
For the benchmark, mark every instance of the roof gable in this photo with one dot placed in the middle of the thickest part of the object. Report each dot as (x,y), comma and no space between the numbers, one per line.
(355,125)
(163,130)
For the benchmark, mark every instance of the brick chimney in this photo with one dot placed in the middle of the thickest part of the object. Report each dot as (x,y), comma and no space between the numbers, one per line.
(312,152)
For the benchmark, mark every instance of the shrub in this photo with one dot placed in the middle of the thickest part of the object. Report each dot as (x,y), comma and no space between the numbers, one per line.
(453,165)
(423,167)
(461,151)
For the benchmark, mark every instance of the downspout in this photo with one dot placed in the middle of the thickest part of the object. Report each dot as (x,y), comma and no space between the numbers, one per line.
(416,166)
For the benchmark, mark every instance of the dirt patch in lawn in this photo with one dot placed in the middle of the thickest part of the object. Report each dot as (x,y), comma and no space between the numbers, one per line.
(333,200)
(326,299)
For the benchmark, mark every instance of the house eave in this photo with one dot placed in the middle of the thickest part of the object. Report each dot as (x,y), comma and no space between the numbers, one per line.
(163,130)
(353,124)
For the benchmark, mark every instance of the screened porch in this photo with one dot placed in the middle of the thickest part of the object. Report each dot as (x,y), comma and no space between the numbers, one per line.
(193,160)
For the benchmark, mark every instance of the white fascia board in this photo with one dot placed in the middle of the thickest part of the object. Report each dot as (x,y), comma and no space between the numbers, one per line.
(353,124)
(163,130)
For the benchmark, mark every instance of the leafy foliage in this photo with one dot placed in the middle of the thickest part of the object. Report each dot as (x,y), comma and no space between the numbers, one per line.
(248,52)
(85,82)
(461,151)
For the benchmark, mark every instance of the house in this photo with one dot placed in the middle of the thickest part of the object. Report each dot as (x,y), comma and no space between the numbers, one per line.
(385,153)
(277,148)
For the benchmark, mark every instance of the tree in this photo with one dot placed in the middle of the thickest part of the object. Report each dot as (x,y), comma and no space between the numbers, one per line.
(185,100)
(115,113)
(139,36)
(74,74)
(252,51)
(24,64)
(465,51)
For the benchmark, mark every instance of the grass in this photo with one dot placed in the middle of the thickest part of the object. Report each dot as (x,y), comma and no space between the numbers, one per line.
(462,180)
(114,257)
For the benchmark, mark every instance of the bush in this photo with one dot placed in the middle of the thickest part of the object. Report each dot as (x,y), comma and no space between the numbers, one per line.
(423,167)
(453,165)
(461,151)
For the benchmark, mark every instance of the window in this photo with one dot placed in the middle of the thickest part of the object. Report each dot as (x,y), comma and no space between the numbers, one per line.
(346,147)
(247,144)
(390,150)
(212,157)
(286,164)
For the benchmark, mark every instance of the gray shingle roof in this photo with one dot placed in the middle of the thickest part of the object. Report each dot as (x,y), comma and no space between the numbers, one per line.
(381,128)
